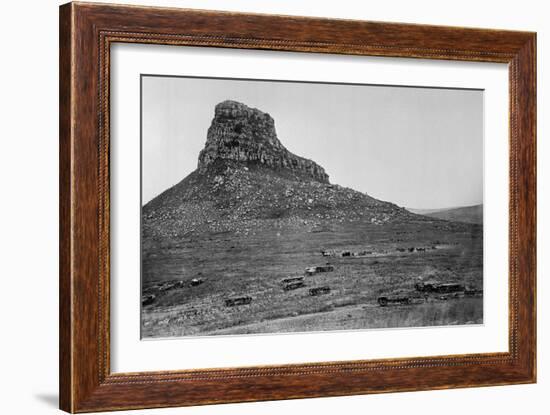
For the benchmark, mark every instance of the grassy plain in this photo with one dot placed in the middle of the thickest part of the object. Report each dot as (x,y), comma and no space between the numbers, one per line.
(253,264)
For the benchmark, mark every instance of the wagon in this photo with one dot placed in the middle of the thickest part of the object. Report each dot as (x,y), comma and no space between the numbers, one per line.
(196,281)
(292,279)
(310,271)
(232,302)
(432,287)
(401,297)
(319,269)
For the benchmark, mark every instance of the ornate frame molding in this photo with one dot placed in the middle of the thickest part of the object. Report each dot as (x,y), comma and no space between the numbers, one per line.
(86,33)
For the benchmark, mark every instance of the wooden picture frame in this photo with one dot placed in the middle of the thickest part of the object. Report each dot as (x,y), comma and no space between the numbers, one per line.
(86,33)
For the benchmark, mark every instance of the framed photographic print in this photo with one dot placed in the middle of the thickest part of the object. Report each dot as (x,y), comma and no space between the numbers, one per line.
(260,207)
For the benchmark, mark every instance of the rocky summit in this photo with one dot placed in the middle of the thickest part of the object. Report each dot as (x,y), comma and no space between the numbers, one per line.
(243,134)
(247,181)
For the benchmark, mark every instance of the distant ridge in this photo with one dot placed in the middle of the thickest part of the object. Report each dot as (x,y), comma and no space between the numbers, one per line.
(466,214)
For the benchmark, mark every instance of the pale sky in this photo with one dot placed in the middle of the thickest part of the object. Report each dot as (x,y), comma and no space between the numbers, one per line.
(416,147)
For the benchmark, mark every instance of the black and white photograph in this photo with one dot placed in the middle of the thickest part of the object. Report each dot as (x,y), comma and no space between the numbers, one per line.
(275,206)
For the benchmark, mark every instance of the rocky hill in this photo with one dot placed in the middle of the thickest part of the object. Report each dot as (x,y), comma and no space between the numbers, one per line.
(247,180)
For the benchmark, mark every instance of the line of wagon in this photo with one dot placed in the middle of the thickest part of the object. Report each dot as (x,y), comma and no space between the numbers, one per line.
(368,253)
(290,284)
(422,291)
(425,291)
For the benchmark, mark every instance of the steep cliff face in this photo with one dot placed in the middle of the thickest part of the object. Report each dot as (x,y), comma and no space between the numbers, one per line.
(243,134)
